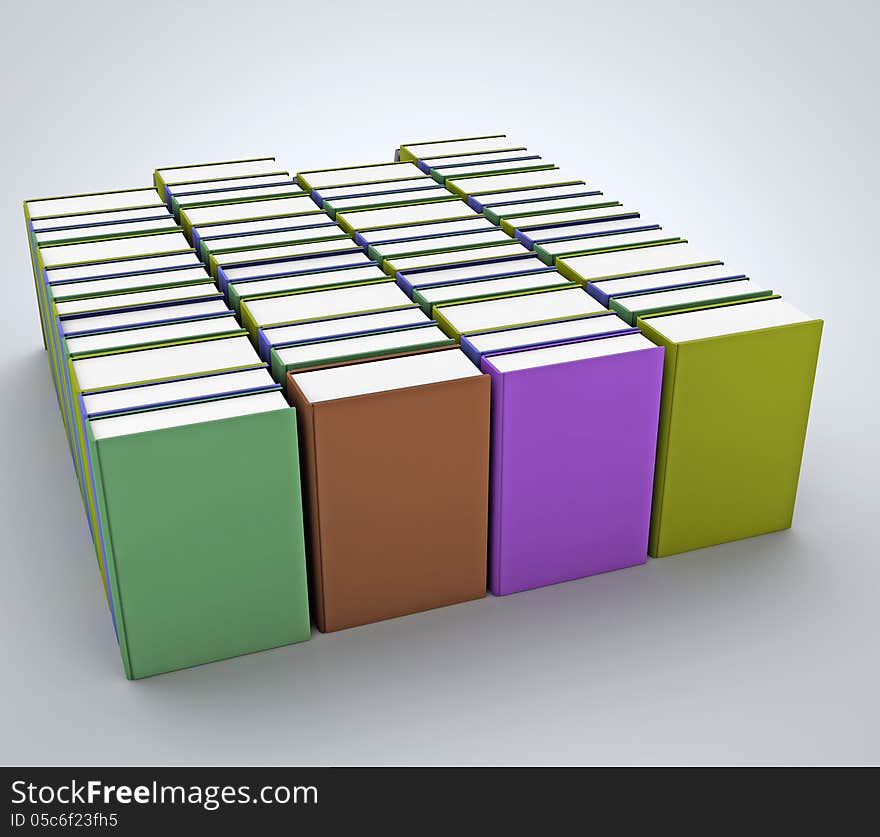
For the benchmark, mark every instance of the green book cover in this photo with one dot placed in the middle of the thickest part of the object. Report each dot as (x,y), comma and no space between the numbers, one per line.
(76,422)
(203,533)
(733,419)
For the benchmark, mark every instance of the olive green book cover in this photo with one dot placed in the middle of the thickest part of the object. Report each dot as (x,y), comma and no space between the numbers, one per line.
(203,533)
(733,420)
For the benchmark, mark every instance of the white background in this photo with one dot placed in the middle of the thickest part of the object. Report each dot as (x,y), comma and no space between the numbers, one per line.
(751,128)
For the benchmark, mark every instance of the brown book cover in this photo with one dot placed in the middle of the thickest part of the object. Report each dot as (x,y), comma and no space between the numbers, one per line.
(396,487)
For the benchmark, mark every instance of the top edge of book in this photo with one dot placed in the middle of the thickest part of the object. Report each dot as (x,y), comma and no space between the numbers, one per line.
(188,187)
(586,349)
(165,418)
(364,173)
(385,375)
(724,320)
(551,331)
(427,148)
(140,365)
(326,328)
(236,162)
(216,171)
(441,161)
(88,202)
(480,184)
(211,385)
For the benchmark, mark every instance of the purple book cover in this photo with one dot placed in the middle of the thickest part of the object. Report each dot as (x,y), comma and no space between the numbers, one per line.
(572,467)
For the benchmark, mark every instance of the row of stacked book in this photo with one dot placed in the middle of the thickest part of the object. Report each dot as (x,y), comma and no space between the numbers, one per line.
(351,394)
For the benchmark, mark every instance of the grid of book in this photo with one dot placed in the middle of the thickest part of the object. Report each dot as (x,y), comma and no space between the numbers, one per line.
(350,394)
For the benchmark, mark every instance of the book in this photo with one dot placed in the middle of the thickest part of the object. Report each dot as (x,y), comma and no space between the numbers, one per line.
(102,403)
(504,208)
(489,184)
(69,206)
(102,257)
(283,252)
(460,318)
(434,161)
(437,244)
(737,385)
(63,313)
(604,290)
(570,497)
(415,151)
(407,264)
(337,350)
(467,271)
(149,280)
(123,367)
(311,305)
(384,187)
(451,209)
(301,206)
(121,267)
(600,242)
(167,176)
(317,179)
(183,593)
(442,170)
(653,259)
(125,399)
(235,194)
(310,280)
(477,344)
(412,232)
(209,237)
(338,326)
(194,187)
(443,294)
(227,249)
(149,313)
(303,264)
(632,306)
(552,226)
(118,330)
(382,441)
(95,232)
(384,199)
(112,249)
(156,334)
